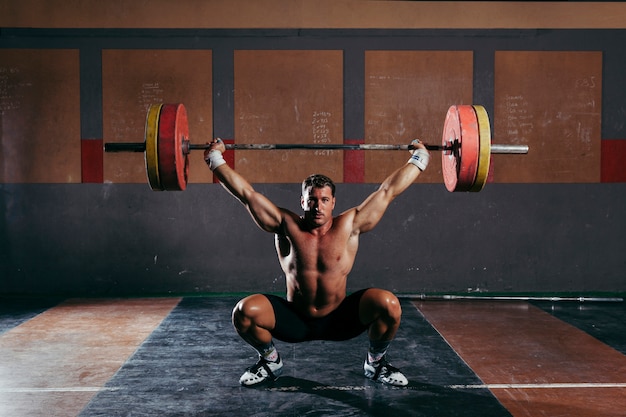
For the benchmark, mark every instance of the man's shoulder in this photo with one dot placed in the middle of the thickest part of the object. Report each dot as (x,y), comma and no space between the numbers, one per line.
(290,219)
(347,215)
(289,215)
(345,220)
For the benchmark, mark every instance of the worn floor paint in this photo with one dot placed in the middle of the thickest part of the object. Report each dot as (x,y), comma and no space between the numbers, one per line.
(53,363)
(534,363)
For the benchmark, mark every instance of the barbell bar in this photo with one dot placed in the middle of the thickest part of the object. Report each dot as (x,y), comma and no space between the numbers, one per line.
(457,297)
(466,147)
(141,147)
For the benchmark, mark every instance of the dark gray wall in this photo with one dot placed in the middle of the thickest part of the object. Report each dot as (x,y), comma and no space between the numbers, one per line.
(128,240)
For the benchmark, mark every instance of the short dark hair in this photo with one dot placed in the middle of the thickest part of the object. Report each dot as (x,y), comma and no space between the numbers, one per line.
(318,181)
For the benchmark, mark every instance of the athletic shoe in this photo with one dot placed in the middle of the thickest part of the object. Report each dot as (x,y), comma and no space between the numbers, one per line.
(264,370)
(382,371)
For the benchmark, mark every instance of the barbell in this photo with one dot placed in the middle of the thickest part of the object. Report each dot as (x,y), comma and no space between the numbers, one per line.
(466,147)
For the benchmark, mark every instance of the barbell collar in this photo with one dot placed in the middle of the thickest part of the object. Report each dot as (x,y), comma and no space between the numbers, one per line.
(495,148)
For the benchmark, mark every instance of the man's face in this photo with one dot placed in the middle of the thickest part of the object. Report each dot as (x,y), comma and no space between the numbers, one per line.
(318,205)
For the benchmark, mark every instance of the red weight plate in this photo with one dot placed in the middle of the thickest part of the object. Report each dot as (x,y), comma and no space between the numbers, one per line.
(173,162)
(460,132)
(450,158)
(470,148)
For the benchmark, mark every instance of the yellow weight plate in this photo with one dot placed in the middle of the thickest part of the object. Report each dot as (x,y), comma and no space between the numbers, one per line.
(151,139)
(484,155)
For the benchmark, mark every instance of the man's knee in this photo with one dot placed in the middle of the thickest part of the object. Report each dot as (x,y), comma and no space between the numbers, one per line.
(392,305)
(253,310)
(382,303)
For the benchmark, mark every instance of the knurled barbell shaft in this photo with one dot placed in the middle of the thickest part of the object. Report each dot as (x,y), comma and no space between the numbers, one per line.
(141,147)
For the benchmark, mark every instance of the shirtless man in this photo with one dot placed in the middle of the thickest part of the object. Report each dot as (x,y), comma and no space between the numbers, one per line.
(316,252)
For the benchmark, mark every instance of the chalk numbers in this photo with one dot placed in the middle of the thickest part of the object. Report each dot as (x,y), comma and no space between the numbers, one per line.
(587,82)
(150,93)
(12,88)
(320,125)
(519,120)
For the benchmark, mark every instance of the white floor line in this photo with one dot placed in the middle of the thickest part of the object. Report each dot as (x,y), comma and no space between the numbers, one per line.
(56,389)
(543,386)
(418,387)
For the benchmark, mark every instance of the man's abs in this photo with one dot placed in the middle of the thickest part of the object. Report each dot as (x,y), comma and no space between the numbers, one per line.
(318,298)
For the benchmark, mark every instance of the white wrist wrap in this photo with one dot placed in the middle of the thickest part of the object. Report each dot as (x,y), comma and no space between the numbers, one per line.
(215,159)
(420,159)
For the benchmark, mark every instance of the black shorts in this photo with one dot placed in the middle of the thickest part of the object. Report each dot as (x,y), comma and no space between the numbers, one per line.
(343,323)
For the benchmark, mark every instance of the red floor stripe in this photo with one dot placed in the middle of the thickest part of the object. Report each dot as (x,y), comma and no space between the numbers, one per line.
(552,367)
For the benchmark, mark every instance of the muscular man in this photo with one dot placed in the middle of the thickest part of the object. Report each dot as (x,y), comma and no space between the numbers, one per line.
(316,252)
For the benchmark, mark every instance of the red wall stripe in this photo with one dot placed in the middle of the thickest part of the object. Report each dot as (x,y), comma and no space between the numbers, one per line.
(613,157)
(354,163)
(229,157)
(92,167)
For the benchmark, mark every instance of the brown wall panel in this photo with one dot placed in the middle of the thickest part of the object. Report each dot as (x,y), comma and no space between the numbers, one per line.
(289,97)
(132,80)
(407,95)
(39,116)
(550,101)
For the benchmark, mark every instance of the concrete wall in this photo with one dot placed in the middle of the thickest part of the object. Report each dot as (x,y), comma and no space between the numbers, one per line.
(125,239)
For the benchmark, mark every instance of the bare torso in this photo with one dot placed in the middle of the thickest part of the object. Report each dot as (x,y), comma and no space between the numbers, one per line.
(316,262)
(316,251)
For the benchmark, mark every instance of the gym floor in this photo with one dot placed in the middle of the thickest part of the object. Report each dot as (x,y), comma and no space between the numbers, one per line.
(181,357)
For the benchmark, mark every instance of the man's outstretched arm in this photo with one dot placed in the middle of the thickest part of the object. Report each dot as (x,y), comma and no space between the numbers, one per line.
(368,214)
(265,213)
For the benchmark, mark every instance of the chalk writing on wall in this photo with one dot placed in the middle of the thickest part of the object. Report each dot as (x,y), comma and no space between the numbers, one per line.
(550,101)
(127,125)
(11,89)
(519,120)
(150,93)
(320,124)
